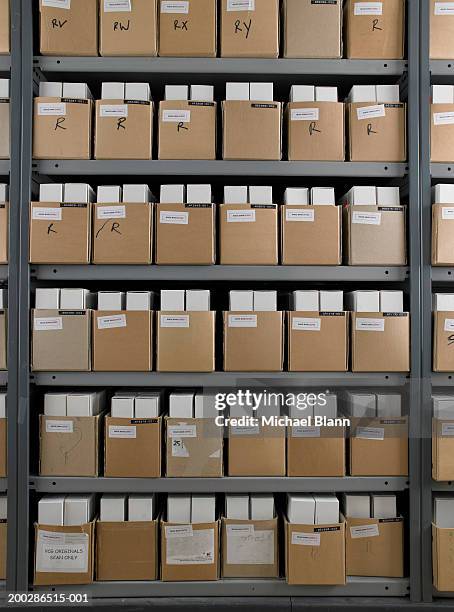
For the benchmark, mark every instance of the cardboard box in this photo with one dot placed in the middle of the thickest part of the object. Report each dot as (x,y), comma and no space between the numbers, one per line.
(317,341)
(5,37)
(316,131)
(256,451)
(62,128)
(4,231)
(250,549)
(442,235)
(442,449)
(380,342)
(316,451)
(250,29)
(312,30)
(122,233)
(126,33)
(252,130)
(50,568)
(3,448)
(185,341)
(315,554)
(380,134)
(253,342)
(61,340)
(441,31)
(442,559)
(248,234)
(127,551)
(188,34)
(375,32)
(187,129)
(189,552)
(5,128)
(194,448)
(442,341)
(375,547)
(60,233)
(122,341)
(441,133)
(69,31)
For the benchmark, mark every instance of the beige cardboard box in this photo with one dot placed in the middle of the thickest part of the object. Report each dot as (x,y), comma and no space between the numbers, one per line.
(60,233)
(256,450)
(375,547)
(126,33)
(132,448)
(3,448)
(443,342)
(3,542)
(5,37)
(69,31)
(442,559)
(122,233)
(127,551)
(442,235)
(316,131)
(191,34)
(375,35)
(250,549)
(380,342)
(62,128)
(4,230)
(61,340)
(442,450)
(187,129)
(442,133)
(316,451)
(250,33)
(441,33)
(5,127)
(3,339)
(312,29)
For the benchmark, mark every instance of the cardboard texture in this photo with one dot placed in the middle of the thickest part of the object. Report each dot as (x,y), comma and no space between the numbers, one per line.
(69,446)
(5,37)
(60,241)
(132,448)
(322,454)
(442,235)
(5,129)
(250,33)
(61,340)
(375,547)
(129,33)
(3,448)
(199,450)
(185,341)
(442,450)
(72,31)
(320,135)
(443,347)
(312,30)
(315,558)
(66,135)
(252,130)
(250,549)
(380,342)
(190,553)
(441,34)
(248,234)
(187,129)
(311,235)
(124,137)
(372,36)
(377,138)
(3,543)
(442,133)
(127,551)
(4,226)
(378,447)
(443,558)
(256,451)
(193,34)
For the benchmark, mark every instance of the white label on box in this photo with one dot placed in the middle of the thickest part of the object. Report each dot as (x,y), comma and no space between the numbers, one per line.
(175,7)
(113,110)
(182,431)
(368,8)
(243,320)
(112,321)
(111,212)
(180,531)
(444,8)
(447,213)
(299,214)
(306,539)
(364,531)
(48,324)
(449,325)
(366,218)
(241,5)
(305,114)
(239,530)
(371,112)
(175,218)
(305,432)
(249,548)
(196,549)
(306,324)
(370,433)
(46,214)
(447,429)
(241,216)
(122,431)
(52,108)
(117,6)
(63,4)
(176,116)
(377,325)
(249,430)
(62,552)
(178,448)
(59,426)
(446,118)
(175,321)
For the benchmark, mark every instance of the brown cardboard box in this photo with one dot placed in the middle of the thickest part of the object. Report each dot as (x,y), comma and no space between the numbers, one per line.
(443,356)
(123,135)
(69,446)
(61,340)
(72,31)
(3,448)
(248,234)
(252,130)
(375,137)
(379,447)
(186,237)
(442,133)
(191,34)
(375,235)
(250,33)
(51,541)
(375,547)
(3,542)
(3,339)
(380,342)
(258,450)
(316,131)
(122,233)
(129,33)
(253,342)
(127,551)
(441,32)
(375,35)
(60,233)
(442,235)
(316,451)
(185,341)
(4,230)
(194,448)
(311,235)
(64,130)
(442,450)
(187,129)
(122,341)
(5,38)
(5,128)
(317,342)
(250,549)
(132,448)
(188,555)
(315,554)
(443,558)
(312,29)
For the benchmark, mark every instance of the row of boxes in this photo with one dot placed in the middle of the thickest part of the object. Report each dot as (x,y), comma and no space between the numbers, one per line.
(442,534)
(248,28)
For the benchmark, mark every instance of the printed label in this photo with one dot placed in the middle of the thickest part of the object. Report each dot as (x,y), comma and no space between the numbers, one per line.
(370,433)
(179,531)
(241,5)
(46,214)
(300,214)
(174,218)
(176,116)
(112,321)
(239,530)
(241,216)
(243,320)
(306,539)
(447,429)
(63,4)
(305,114)
(117,6)
(365,218)
(62,552)
(449,325)
(371,112)
(250,430)
(305,432)
(377,325)
(446,118)
(175,7)
(111,212)
(182,431)
(364,531)
(59,426)
(52,108)
(197,549)
(444,8)
(48,324)
(175,321)
(368,8)
(250,547)
(447,213)
(306,324)
(113,110)
(122,431)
